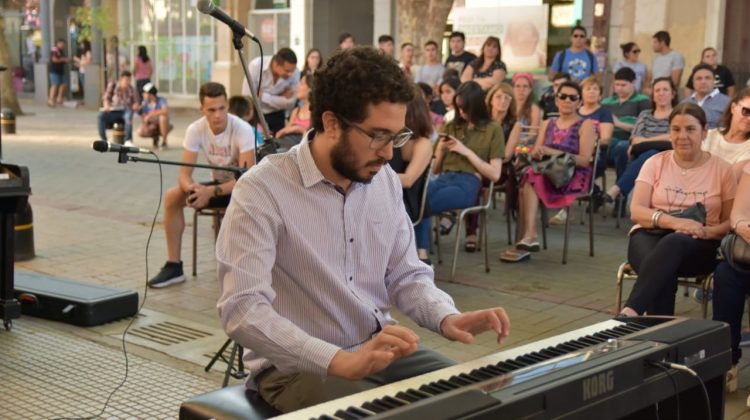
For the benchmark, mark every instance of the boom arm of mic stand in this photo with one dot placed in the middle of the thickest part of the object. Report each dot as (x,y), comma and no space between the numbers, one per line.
(124,157)
(267,138)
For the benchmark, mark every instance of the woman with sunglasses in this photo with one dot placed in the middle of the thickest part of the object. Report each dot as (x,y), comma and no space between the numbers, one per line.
(663,245)
(631,53)
(569,133)
(471,148)
(731,140)
(488,69)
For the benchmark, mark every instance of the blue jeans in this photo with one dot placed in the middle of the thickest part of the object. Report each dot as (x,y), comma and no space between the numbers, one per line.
(451,190)
(626,180)
(106,118)
(619,155)
(730,289)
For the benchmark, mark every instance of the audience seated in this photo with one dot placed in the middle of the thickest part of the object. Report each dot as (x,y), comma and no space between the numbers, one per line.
(226,140)
(650,136)
(626,105)
(547,101)
(241,107)
(471,148)
(488,69)
(411,160)
(118,105)
(154,113)
(731,286)
(706,95)
(569,133)
(447,92)
(299,119)
(731,140)
(664,246)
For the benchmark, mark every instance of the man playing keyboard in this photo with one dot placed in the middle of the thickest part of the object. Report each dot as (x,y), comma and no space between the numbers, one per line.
(316,248)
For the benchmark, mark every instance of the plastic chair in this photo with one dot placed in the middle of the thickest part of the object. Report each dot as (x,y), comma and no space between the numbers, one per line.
(483,210)
(217,213)
(587,196)
(703,282)
(423,194)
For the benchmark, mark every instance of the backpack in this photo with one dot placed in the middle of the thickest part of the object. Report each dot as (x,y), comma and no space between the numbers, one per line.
(589,54)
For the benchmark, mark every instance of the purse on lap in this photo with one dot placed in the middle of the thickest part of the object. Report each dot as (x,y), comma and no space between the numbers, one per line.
(558,169)
(736,252)
(695,212)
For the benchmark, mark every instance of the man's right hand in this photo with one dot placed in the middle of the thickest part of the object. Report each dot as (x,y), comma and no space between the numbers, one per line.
(391,343)
(106,108)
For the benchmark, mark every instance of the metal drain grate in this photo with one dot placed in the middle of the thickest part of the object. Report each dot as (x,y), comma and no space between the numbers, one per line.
(168,333)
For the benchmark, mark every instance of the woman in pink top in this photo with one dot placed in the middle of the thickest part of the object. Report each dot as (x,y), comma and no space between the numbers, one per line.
(670,181)
(299,120)
(142,71)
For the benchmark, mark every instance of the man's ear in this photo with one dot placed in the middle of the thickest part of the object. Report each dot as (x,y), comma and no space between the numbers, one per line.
(331,123)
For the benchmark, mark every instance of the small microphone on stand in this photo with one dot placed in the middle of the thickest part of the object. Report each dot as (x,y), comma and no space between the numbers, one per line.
(105,146)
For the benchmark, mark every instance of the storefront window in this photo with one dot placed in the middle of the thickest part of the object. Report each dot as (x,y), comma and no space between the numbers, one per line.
(178,38)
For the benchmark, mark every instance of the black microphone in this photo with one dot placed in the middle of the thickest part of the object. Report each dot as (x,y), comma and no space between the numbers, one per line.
(105,146)
(208,7)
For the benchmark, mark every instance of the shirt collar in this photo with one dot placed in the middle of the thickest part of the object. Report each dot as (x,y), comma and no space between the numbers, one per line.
(710,95)
(311,175)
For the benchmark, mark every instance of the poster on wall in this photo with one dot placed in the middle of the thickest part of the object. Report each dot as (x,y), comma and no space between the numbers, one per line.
(522,31)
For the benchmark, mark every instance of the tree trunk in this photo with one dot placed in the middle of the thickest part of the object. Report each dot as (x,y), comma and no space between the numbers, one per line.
(8,92)
(422,20)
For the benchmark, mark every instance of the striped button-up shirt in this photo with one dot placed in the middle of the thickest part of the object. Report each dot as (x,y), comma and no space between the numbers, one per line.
(306,270)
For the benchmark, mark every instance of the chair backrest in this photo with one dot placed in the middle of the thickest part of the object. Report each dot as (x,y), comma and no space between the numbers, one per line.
(423,194)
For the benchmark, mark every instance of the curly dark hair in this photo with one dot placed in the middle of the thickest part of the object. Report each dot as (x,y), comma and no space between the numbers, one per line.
(353,79)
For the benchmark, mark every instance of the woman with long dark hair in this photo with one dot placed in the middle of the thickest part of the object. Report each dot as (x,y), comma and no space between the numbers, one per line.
(488,69)
(312,61)
(142,70)
(470,148)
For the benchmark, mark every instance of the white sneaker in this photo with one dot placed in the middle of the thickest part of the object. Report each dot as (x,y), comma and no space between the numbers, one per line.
(129,143)
(732,380)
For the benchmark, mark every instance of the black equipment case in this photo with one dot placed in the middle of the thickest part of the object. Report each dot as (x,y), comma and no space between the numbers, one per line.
(72,302)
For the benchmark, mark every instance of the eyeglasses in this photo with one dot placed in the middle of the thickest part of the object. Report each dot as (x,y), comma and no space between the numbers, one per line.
(636,51)
(568,97)
(379,139)
(744,110)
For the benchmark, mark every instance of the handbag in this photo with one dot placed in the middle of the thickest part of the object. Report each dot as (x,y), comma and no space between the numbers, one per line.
(660,146)
(695,212)
(558,169)
(736,252)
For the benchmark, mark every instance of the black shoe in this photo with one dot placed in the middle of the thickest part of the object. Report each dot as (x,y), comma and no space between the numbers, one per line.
(447,221)
(170,274)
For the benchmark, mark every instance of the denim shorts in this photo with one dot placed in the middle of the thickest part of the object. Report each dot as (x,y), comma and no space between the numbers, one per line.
(56,79)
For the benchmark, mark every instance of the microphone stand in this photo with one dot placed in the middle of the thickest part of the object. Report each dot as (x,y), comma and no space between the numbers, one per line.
(124,157)
(269,143)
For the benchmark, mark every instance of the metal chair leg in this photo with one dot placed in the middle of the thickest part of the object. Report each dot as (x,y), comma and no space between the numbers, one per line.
(455,247)
(195,242)
(485,221)
(544,226)
(567,235)
(618,288)
(591,229)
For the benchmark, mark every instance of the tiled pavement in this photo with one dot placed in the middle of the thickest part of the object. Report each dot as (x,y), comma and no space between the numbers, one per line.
(91,223)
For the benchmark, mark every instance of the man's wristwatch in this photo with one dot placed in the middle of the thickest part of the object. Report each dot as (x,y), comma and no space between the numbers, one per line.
(217,190)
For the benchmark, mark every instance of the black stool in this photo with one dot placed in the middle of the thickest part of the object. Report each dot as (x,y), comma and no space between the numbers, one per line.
(234,402)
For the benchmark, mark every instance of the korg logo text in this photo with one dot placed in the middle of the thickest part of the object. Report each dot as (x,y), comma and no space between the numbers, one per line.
(599,384)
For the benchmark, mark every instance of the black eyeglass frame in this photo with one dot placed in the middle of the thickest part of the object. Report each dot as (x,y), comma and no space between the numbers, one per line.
(380,139)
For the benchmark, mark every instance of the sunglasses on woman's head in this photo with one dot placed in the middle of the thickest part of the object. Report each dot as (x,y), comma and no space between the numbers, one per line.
(636,51)
(744,110)
(568,97)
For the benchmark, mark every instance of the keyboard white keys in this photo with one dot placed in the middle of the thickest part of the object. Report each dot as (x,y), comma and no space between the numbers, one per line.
(356,400)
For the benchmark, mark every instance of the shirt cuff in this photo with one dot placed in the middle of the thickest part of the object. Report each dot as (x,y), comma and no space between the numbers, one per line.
(441,311)
(316,356)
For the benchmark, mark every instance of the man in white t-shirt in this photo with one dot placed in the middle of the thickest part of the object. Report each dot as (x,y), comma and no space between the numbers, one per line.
(226,140)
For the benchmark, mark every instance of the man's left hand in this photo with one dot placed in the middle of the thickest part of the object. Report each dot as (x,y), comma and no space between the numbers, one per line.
(463,327)
(199,197)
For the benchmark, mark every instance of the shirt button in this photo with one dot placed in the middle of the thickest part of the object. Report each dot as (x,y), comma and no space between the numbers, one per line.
(350,278)
(351,239)
(376,311)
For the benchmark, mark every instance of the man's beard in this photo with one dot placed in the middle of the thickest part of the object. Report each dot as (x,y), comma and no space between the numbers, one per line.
(343,161)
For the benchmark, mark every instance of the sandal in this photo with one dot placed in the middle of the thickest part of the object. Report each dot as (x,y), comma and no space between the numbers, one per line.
(470,246)
(528,245)
(514,256)
(447,221)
